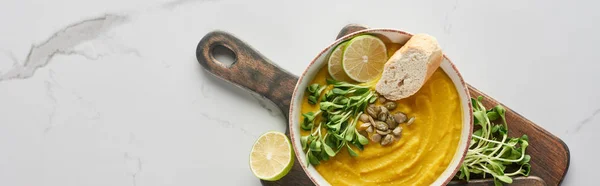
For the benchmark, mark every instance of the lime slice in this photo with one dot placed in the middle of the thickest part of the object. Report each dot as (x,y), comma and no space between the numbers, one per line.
(272,156)
(364,57)
(334,65)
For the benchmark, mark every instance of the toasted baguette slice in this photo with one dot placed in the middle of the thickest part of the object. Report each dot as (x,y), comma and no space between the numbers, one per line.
(408,69)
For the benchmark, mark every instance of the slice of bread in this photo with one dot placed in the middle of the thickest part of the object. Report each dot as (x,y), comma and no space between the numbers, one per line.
(408,69)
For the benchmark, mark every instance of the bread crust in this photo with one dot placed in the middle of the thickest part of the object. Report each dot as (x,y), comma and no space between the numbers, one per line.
(423,53)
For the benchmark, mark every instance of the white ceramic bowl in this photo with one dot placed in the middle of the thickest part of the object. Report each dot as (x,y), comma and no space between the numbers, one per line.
(395,36)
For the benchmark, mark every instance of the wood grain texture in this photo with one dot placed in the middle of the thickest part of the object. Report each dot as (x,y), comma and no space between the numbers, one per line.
(252,71)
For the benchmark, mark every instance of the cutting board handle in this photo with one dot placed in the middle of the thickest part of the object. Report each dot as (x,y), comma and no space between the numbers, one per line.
(250,69)
(350,28)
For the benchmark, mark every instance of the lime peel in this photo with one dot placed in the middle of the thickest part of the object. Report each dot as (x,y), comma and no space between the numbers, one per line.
(271,156)
(334,63)
(364,57)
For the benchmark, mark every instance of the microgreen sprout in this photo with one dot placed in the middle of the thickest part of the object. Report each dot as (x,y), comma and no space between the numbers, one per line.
(337,117)
(491,150)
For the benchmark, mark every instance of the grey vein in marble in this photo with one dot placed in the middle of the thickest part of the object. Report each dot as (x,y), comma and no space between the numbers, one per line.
(50,86)
(176,3)
(97,56)
(447,25)
(60,43)
(222,122)
(587,120)
(135,166)
(247,132)
(133,163)
(227,124)
(164,63)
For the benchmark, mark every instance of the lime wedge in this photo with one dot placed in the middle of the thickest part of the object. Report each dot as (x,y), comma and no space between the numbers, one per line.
(364,57)
(334,65)
(272,156)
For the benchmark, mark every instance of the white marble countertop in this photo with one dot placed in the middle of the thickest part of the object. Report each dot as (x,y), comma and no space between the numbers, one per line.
(110,93)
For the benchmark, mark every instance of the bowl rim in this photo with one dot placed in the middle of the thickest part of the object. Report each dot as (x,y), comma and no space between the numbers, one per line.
(301,78)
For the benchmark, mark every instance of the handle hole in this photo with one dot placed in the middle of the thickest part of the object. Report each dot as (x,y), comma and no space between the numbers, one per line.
(223,55)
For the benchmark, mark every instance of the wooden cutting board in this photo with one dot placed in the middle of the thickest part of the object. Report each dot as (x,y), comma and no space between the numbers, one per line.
(254,72)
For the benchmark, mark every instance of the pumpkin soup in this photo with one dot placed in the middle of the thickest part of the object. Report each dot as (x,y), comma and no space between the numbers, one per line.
(419,156)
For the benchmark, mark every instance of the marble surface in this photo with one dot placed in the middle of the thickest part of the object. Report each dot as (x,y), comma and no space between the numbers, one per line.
(109,92)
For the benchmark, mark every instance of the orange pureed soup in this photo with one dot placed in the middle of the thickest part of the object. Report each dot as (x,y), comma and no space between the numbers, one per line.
(420,156)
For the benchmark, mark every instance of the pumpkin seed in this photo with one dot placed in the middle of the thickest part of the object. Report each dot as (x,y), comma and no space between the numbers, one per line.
(390,105)
(410,121)
(400,117)
(364,126)
(373,110)
(397,131)
(382,116)
(387,140)
(391,122)
(364,118)
(383,133)
(370,129)
(376,138)
(383,109)
(380,125)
